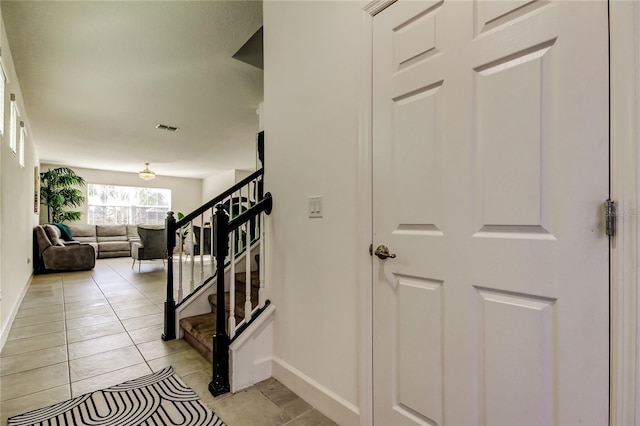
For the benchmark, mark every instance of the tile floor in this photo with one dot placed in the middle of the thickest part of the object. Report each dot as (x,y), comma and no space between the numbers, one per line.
(77,332)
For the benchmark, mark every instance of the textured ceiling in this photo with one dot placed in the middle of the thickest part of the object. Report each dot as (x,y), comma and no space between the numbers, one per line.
(97,76)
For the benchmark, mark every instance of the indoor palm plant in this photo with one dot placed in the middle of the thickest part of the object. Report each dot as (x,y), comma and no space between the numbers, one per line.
(58,192)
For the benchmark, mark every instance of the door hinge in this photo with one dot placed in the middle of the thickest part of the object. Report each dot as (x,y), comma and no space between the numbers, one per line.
(371,249)
(611,216)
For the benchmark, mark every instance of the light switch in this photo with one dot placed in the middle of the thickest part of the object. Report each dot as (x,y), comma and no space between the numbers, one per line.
(315,206)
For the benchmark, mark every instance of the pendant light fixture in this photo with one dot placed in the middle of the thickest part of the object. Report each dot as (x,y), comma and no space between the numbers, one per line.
(146,174)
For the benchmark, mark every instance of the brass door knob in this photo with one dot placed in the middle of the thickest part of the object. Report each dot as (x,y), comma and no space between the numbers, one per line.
(383,252)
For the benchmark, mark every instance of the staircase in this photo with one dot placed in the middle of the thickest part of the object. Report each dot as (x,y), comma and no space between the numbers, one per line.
(221,237)
(199,329)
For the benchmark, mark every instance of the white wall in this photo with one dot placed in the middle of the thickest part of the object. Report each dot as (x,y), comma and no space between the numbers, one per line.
(312,75)
(185,193)
(17,218)
(215,185)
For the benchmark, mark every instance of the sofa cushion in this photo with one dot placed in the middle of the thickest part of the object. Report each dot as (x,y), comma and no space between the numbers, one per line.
(54,235)
(83,233)
(114,246)
(111,233)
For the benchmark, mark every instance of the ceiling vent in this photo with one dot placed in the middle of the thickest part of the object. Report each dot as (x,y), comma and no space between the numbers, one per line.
(168,128)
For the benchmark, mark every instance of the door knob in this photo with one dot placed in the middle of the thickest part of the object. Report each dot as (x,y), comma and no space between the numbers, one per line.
(383,252)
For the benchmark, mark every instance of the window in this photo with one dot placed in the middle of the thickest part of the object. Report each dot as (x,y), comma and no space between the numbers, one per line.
(111,205)
(23,135)
(13,125)
(3,82)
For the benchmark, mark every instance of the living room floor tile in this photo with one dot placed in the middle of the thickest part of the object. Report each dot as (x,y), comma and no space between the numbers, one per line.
(146,334)
(138,312)
(158,348)
(44,310)
(142,322)
(21,346)
(99,345)
(91,320)
(15,406)
(109,379)
(39,319)
(93,331)
(102,363)
(88,311)
(36,380)
(32,360)
(36,330)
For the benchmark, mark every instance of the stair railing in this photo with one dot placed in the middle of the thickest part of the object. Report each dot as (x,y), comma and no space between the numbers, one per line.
(196,262)
(223,228)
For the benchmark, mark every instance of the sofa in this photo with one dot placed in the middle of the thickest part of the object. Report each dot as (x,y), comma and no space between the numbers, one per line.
(108,240)
(52,253)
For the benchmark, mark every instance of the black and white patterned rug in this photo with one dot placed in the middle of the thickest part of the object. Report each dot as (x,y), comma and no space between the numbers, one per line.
(160,398)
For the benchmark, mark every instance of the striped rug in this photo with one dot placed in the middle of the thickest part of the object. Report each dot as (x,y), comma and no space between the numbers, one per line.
(160,398)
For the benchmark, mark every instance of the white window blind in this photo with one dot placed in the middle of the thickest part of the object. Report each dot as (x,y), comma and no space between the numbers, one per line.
(13,125)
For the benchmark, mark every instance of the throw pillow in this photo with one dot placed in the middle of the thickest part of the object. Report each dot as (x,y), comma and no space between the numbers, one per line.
(53,234)
(64,231)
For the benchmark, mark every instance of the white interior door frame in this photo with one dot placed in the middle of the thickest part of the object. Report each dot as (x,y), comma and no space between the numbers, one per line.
(625,190)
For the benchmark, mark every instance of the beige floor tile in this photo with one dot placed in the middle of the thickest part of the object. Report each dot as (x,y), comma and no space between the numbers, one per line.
(33,401)
(102,363)
(290,403)
(88,298)
(44,310)
(146,334)
(139,303)
(39,303)
(36,380)
(93,331)
(91,320)
(138,312)
(20,346)
(199,382)
(249,408)
(72,306)
(183,363)
(126,298)
(88,311)
(312,418)
(121,292)
(143,322)
(36,330)
(109,379)
(158,348)
(32,360)
(36,320)
(99,345)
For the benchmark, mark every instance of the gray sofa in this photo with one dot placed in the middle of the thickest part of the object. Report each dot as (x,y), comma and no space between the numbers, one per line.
(108,240)
(54,254)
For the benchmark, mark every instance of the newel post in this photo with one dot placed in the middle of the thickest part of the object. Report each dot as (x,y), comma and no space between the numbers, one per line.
(170,303)
(220,380)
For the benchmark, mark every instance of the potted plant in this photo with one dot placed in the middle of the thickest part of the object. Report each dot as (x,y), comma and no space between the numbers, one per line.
(58,193)
(184,231)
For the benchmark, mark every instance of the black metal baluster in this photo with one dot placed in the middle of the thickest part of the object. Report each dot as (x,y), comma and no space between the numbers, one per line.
(170,303)
(220,380)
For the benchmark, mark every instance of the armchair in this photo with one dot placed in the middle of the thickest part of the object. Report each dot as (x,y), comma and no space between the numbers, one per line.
(152,245)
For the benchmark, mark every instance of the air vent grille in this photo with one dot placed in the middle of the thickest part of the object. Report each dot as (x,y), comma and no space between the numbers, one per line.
(168,128)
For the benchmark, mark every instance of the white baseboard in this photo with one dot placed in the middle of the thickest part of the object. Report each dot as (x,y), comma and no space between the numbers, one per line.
(4,335)
(324,400)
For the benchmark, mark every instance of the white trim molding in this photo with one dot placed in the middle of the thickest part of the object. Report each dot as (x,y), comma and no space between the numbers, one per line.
(625,191)
(323,399)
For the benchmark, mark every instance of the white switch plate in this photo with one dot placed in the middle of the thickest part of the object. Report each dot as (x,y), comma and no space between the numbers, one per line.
(315,206)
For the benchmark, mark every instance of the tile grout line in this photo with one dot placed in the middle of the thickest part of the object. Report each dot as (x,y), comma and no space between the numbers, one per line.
(66,336)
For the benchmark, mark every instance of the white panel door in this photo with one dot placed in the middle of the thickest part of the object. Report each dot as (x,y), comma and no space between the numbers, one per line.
(490,145)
